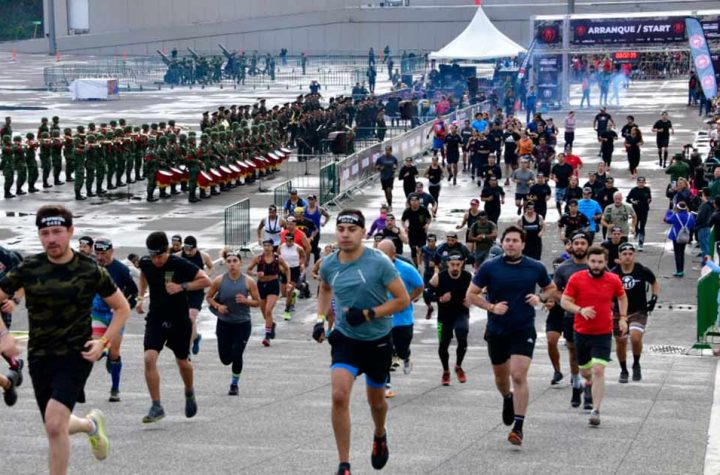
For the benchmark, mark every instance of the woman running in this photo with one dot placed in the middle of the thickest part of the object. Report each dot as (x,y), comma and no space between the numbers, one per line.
(534,226)
(230,297)
(268,267)
(632,146)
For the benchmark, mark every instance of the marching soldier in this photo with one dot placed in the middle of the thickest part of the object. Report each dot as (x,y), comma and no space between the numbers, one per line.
(8,166)
(56,150)
(31,162)
(45,162)
(55,124)
(20,166)
(78,155)
(91,162)
(192,161)
(106,163)
(44,127)
(129,151)
(69,153)
(6,129)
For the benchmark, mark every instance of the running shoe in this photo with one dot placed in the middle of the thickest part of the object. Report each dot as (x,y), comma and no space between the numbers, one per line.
(114,396)
(515,437)
(557,377)
(234,390)
(429,313)
(19,371)
(460,374)
(380,452)
(594,418)
(637,373)
(445,381)
(587,398)
(266,342)
(389,393)
(294,297)
(508,412)
(196,344)
(272,332)
(396,362)
(344,469)
(575,400)
(190,405)
(98,441)
(10,394)
(156,413)
(407,366)
(287,315)
(623,377)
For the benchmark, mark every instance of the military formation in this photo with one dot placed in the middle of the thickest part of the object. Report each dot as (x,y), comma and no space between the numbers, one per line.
(206,70)
(103,157)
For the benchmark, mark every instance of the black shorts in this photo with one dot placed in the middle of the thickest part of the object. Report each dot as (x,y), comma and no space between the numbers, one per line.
(195,299)
(458,324)
(502,346)
(520,196)
(294,275)
(592,349)
(371,357)
(569,328)
(663,142)
(173,334)
(387,183)
(554,322)
(453,159)
(61,378)
(271,287)
(511,159)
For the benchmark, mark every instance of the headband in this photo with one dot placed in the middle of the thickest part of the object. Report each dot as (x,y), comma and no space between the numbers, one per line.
(355,219)
(456,257)
(102,245)
(50,221)
(156,252)
(234,253)
(579,236)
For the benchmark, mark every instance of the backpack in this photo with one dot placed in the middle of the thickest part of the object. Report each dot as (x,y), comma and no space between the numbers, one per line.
(683,236)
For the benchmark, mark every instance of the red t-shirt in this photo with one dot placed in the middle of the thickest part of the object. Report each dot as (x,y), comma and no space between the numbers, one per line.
(599,293)
(574,161)
(298,236)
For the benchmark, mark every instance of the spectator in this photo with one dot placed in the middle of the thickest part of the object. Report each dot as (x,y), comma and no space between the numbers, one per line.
(702,222)
(682,224)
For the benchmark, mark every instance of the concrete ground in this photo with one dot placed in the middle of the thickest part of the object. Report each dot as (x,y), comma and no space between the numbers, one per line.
(280,422)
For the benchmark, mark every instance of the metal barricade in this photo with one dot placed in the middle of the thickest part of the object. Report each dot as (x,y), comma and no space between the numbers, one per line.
(328,183)
(281,193)
(237,224)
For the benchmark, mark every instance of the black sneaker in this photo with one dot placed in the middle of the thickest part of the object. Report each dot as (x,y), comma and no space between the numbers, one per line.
(508,412)
(114,396)
(575,400)
(21,365)
(190,405)
(587,398)
(10,395)
(156,413)
(380,454)
(637,374)
(344,469)
(557,377)
(623,377)
(234,390)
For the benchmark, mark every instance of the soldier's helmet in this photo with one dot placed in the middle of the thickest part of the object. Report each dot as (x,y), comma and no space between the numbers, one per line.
(55,133)
(162,140)
(80,129)
(183,138)
(91,126)
(122,122)
(17,139)
(29,136)
(128,129)
(67,131)
(154,126)
(46,135)
(162,125)
(113,123)
(76,140)
(118,132)
(204,137)
(136,129)
(109,136)
(56,119)
(6,139)
(44,120)
(171,123)
(145,127)
(171,137)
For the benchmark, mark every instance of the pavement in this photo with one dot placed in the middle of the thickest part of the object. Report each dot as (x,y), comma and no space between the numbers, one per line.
(280,422)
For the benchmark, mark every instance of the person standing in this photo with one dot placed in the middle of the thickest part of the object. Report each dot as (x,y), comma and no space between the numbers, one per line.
(230,298)
(510,300)
(682,224)
(589,296)
(640,199)
(633,142)
(635,278)
(663,129)
(269,266)
(360,280)
(702,222)
(203,262)
(61,283)
(169,279)
(387,164)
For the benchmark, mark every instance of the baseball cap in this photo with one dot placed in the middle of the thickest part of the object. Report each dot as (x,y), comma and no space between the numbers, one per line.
(587,189)
(293,191)
(87,240)
(299,210)
(290,219)
(176,238)
(190,242)
(451,234)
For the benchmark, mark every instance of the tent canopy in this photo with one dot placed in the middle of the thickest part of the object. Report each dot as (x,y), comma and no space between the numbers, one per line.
(480,40)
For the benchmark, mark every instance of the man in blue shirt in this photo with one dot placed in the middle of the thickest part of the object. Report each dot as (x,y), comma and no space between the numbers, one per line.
(510,300)
(479,124)
(402,329)
(359,279)
(592,211)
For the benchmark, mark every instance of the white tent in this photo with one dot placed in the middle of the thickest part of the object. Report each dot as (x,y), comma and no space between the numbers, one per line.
(480,40)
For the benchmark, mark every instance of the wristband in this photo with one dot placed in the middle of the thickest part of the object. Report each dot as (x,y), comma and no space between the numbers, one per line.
(105,341)
(370,314)
(184,286)
(623,316)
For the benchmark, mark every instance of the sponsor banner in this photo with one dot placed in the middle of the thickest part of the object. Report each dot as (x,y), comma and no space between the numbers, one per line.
(627,30)
(711,27)
(701,57)
(548,32)
(548,69)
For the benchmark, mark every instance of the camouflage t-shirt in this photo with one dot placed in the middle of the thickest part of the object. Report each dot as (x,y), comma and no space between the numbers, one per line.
(59,299)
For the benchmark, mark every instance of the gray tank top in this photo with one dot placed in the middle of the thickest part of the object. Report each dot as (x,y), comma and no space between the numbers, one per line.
(237,313)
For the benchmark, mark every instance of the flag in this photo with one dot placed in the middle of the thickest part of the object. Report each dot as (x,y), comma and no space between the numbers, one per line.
(701,57)
(526,60)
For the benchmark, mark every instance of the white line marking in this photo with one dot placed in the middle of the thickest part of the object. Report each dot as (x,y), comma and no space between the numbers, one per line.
(712,454)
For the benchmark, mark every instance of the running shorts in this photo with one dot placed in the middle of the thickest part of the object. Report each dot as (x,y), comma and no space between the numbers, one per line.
(438,143)
(520,196)
(100,324)
(173,334)
(271,287)
(61,378)
(446,326)
(636,322)
(387,183)
(195,299)
(371,357)
(569,328)
(502,346)
(294,275)
(592,349)
(554,322)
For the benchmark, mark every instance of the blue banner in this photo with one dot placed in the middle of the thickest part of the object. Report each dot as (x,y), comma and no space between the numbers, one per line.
(701,57)
(523,67)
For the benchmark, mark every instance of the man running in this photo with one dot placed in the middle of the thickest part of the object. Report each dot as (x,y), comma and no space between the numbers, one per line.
(230,297)
(176,243)
(269,267)
(636,278)
(522,178)
(451,286)
(102,314)
(360,280)
(386,164)
(663,129)
(203,262)
(85,245)
(294,257)
(270,227)
(589,296)
(416,220)
(510,300)
(60,285)
(168,323)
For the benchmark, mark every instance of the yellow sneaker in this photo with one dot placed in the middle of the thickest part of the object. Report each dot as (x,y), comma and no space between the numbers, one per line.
(98,442)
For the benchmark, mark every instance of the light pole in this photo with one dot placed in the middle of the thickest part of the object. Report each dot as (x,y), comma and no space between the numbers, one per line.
(51,28)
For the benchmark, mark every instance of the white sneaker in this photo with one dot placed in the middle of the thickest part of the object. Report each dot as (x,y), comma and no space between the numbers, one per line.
(98,441)
(407,366)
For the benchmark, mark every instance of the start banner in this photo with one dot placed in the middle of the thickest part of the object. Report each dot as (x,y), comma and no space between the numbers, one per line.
(627,30)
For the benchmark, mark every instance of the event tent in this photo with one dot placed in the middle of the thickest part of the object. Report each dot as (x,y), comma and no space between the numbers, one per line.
(480,40)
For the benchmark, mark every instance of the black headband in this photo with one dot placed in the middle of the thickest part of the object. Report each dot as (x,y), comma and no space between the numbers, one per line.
(50,221)
(156,252)
(456,257)
(351,219)
(102,245)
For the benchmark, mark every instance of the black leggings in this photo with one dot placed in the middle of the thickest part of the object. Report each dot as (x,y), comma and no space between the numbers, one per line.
(434,192)
(445,334)
(231,341)
(402,337)
(679,251)
(642,218)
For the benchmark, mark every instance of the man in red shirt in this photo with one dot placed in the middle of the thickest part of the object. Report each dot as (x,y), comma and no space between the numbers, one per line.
(589,295)
(573,160)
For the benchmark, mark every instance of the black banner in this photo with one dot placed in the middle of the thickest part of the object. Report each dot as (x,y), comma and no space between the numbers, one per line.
(548,69)
(548,32)
(627,30)
(711,27)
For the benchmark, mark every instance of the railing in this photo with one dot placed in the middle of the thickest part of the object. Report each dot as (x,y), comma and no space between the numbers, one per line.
(328,183)
(237,224)
(281,193)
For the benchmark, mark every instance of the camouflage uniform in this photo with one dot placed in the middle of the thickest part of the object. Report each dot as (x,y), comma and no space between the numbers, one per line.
(78,154)
(8,167)
(31,162)
(45,163)
(92,151)
(20,165)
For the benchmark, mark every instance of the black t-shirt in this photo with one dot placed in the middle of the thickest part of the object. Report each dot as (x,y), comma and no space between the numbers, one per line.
(393,235)
(483,150)
(663,129)
(486,171)
(602,120)
(562,174)
(434,175)
(426,199)
(466,133)
(452,145)
(635,284)
(163,306)
(639,198)
(408,174)
(494,204)
(496,139)
(511,139)
(612,249)
(448,311)
(605,196)
(573,224)
(609,144)
(416,220)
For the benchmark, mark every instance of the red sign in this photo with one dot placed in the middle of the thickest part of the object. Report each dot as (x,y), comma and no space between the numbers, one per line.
(620,55)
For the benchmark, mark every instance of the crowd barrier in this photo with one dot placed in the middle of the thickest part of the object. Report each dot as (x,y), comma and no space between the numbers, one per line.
(237,224)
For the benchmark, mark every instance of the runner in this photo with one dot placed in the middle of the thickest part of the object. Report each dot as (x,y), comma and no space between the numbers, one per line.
(229,302)
(416,221)
(471,215)
(663,129)
(269,267)
(636,278)
(9,260)
(509,282)
(494,197)
(466,133)
(61,283)
(483,233)
(561,173)
(578,261)
(451,286)
(203,262)
(453,142)
(554,329)
(359,279)
(428,256)
(434,174)
(85,245)
(102,313)
(534,226)
(640,198)
(176,244)
(294,257)
(169,279)
(386,164)
(315,213)
(402,327)
(522,177)
(589,296)
(439,131)
(270,227)
(572,222)
(540,194)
